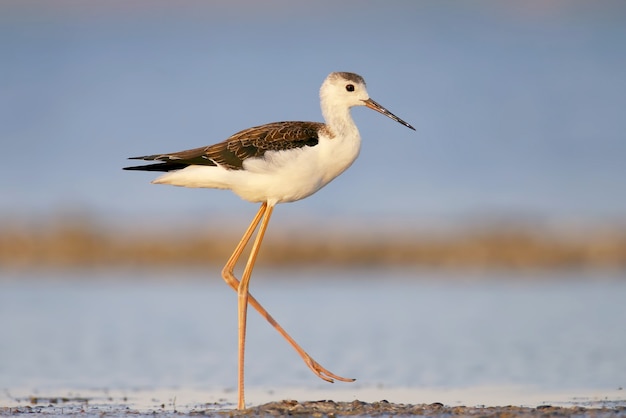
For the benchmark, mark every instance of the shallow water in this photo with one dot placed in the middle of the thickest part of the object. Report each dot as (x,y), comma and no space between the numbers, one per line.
(396,332)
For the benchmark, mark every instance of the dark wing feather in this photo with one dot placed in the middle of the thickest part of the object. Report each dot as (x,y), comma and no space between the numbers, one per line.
(231,153)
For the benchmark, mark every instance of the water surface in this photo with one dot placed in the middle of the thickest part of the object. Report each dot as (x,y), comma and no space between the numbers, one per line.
(393,330)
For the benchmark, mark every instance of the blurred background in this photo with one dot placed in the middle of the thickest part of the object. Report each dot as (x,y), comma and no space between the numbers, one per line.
(518,107)
(515,175)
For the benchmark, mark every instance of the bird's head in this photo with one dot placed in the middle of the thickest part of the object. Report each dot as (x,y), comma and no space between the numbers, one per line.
(343,90)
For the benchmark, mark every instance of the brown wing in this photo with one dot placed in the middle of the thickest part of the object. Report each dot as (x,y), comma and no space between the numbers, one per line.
(231,153)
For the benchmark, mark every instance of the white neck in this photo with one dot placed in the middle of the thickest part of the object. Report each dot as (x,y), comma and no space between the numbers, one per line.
(339,120)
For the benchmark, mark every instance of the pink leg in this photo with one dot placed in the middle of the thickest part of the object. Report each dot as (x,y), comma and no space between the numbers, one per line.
(244,297)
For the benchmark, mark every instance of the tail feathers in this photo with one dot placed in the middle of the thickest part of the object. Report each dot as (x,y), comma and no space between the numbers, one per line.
(175,161)
(166,166)
(160,157)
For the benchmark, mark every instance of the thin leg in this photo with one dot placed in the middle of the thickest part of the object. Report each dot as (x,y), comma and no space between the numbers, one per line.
(242,293)
(265,212)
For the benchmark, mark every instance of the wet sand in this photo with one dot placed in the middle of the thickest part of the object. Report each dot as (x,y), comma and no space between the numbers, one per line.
(326,409)
(437,409)
(172,403)
(322,408)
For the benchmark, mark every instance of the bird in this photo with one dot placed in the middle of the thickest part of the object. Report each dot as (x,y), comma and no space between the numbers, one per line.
(278,162)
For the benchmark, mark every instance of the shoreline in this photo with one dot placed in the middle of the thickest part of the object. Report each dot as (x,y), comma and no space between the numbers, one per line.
(88,245)
(356,401)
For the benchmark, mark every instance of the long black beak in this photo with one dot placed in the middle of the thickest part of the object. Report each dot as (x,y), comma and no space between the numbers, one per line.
(375,106)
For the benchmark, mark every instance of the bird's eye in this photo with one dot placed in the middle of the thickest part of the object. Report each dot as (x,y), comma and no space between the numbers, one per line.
(350,87)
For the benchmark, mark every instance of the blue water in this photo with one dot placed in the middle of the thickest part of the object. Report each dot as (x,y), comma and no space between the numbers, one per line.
(519,106)
(392,329)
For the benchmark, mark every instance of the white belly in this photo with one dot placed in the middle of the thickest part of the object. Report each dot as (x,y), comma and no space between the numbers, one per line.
(278,177)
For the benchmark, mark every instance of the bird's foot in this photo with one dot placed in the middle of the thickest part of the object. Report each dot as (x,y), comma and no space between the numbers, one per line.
(323,373)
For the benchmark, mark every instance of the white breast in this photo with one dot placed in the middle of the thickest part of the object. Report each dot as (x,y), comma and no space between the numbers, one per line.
(287,176)
(277,177)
